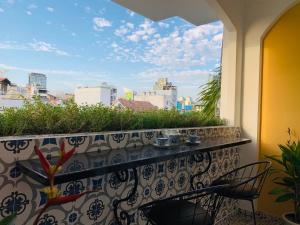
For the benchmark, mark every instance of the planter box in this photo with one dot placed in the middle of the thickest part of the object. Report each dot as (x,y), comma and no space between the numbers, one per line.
(22,195)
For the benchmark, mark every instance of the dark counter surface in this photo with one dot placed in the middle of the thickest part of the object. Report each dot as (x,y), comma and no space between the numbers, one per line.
(97,163)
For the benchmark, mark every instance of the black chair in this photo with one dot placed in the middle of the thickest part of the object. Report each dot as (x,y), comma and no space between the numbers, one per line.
(198,207)
(244,183)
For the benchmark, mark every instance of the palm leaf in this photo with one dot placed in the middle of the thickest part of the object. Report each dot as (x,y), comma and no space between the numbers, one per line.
(210,95)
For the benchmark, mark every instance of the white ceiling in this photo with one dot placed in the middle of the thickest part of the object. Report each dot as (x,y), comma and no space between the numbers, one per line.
(197,12)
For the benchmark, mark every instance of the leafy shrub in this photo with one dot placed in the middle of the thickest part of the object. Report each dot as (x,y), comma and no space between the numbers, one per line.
(40,118)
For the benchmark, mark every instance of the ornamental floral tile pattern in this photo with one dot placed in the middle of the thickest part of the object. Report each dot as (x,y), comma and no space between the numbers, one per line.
(21,195)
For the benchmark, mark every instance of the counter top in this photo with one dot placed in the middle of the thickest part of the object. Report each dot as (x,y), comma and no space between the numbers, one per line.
(106,161)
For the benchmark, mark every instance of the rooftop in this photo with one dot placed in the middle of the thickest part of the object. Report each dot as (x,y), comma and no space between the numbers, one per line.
(137,105)
(4,79)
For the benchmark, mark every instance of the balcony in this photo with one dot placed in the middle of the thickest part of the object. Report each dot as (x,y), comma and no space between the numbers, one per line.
(119,168)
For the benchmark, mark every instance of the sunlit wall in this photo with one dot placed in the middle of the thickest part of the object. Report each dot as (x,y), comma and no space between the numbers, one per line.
(280,94)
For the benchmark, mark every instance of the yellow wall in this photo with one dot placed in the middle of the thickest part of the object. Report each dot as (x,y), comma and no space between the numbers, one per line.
(280,94)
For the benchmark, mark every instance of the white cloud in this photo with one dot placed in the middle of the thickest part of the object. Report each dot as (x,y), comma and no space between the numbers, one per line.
(190,47)
(50,9)
(121,31)
(1,10)
(130,25)
(11,2)
(37,46)
(41,46)
(100,23)
(114,45)
(183,47)
(32,6)
(53,71)
(123,53)
(11,46)
(130,13)
(144,31)
(133,37)
(29,13)
(124,29)
(163,25)
(87,9)
(218,37)
(174,74)
(147,27)
(157,36)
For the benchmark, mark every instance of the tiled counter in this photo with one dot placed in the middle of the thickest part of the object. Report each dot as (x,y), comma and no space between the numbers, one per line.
(21,194)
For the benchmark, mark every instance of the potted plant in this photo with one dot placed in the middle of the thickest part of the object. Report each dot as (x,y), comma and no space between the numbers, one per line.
(288,178)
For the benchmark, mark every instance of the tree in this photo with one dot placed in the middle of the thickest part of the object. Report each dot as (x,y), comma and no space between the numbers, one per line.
(210,94)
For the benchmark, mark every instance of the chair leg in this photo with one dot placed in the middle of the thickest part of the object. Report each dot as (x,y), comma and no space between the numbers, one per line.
(253,212)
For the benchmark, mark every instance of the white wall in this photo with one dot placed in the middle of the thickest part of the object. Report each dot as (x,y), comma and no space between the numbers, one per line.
(93,96)
(233,19)
(10,103)
(163,99)
(171,97)
(157,100)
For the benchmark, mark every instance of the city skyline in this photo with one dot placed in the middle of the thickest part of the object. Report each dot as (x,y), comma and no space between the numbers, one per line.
(100,41)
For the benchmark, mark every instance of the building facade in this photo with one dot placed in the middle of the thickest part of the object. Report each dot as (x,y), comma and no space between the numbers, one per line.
(164,95)
(103,94)
(163,87)
(4,83)
(184,104)
(156,99)
(38,82)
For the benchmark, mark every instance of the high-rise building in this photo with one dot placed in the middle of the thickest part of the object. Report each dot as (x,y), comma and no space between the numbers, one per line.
(163,84)
(163,87)
(38,82)
(103,94)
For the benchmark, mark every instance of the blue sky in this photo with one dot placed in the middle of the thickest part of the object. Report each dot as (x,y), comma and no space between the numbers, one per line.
(87,42)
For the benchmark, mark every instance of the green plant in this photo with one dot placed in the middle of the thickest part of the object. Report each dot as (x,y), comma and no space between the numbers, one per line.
(210,94)
(8,220)
(288,179)
(36,117)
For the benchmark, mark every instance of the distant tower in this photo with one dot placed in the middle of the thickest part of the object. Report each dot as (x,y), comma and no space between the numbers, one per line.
(38,81)
(164,95)
(163,87)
